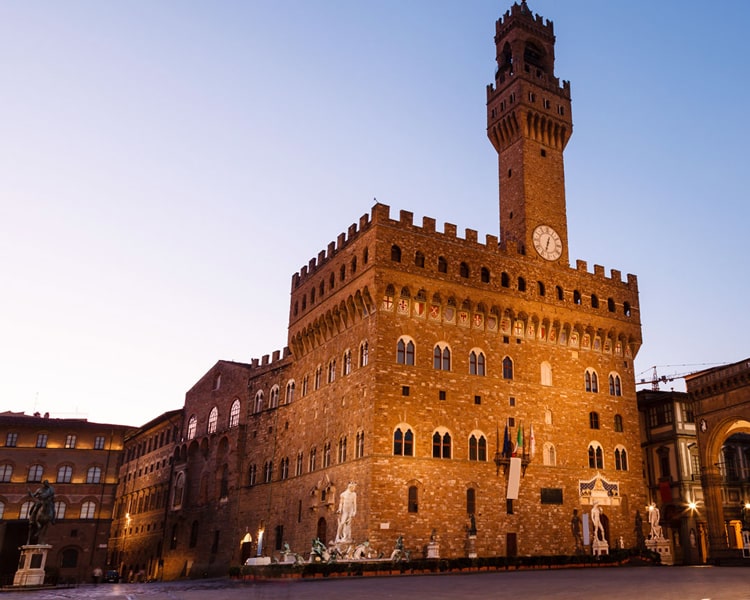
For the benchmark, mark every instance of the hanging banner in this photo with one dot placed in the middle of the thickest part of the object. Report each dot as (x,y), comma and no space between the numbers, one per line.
(514,478)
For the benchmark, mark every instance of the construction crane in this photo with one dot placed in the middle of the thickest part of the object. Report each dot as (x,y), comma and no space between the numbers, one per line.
(656,379)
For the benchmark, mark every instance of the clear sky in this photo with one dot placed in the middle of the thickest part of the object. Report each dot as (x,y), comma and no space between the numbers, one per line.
(166,167)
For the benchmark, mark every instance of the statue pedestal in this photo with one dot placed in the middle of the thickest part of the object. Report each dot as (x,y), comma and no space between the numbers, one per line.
(471,546)
(433,550)
(31,565)
(599,547)
(662,548)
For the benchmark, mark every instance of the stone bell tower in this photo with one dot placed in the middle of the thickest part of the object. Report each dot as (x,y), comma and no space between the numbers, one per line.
(529,123)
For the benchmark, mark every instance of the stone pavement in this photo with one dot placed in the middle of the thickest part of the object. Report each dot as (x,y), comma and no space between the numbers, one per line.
(605,583)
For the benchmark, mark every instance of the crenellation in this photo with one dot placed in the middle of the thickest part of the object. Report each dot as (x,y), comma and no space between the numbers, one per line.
(492,242)
(582,265)
(450,230)
(332,249)
(321,257)
(428,224)
(364,222)
(471,235)
(406,217)
(341,239)
(616,275)
(351,232)
(264,360)
(599,271)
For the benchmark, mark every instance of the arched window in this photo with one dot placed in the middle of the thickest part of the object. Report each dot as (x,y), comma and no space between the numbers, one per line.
(360,450)
(64,474)
(441,445)
(353,265)
(258,404)
(485,275)
(591,381)
(610,305)
(413,503)
(403,442)
(626,308)
(342,449)
(540,288)
(594,420)
(318,377)
(504,280)
(476,363)
(35,474)
(60,508)
(213,417)
(596,458)
(6,472)
(234,413)
(521,284)
(507,368)
(88,510)
(463,270)
(405,351)
(560,294)
(576,297)
(347,362)
(615,389)
(441,358)
(594,301)
(364,354)
(442,265)
(332,371)
(24,511)
(621,459)
(471,501)
(477,447)
(252,475)
(274,397)
(419,259)
(192,427)
(549,455)
(618,423)
(300,462)
(179,490)
(94,475)
(546,375)
(395,253)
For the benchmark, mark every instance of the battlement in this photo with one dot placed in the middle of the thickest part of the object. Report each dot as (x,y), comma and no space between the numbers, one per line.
(522,10)
(381,217)
(270,360)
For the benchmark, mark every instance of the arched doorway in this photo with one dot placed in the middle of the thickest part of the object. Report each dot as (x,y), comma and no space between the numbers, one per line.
(322,533)
(725,465)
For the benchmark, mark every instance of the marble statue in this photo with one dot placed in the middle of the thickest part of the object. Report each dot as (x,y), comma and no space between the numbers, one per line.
(654,516)
(347,510)
(596,521)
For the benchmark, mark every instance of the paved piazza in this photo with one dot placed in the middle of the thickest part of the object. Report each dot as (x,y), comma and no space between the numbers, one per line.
(611,583)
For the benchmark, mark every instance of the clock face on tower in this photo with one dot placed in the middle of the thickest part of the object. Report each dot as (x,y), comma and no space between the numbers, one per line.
(547,242)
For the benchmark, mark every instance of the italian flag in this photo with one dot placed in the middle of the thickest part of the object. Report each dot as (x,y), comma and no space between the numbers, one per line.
(518,450)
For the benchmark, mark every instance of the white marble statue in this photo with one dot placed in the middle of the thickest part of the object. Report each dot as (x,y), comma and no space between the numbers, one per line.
(653,519)
(596,521)
(347,510)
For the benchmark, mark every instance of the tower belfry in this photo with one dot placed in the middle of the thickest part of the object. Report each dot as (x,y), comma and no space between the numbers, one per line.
(529,123)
